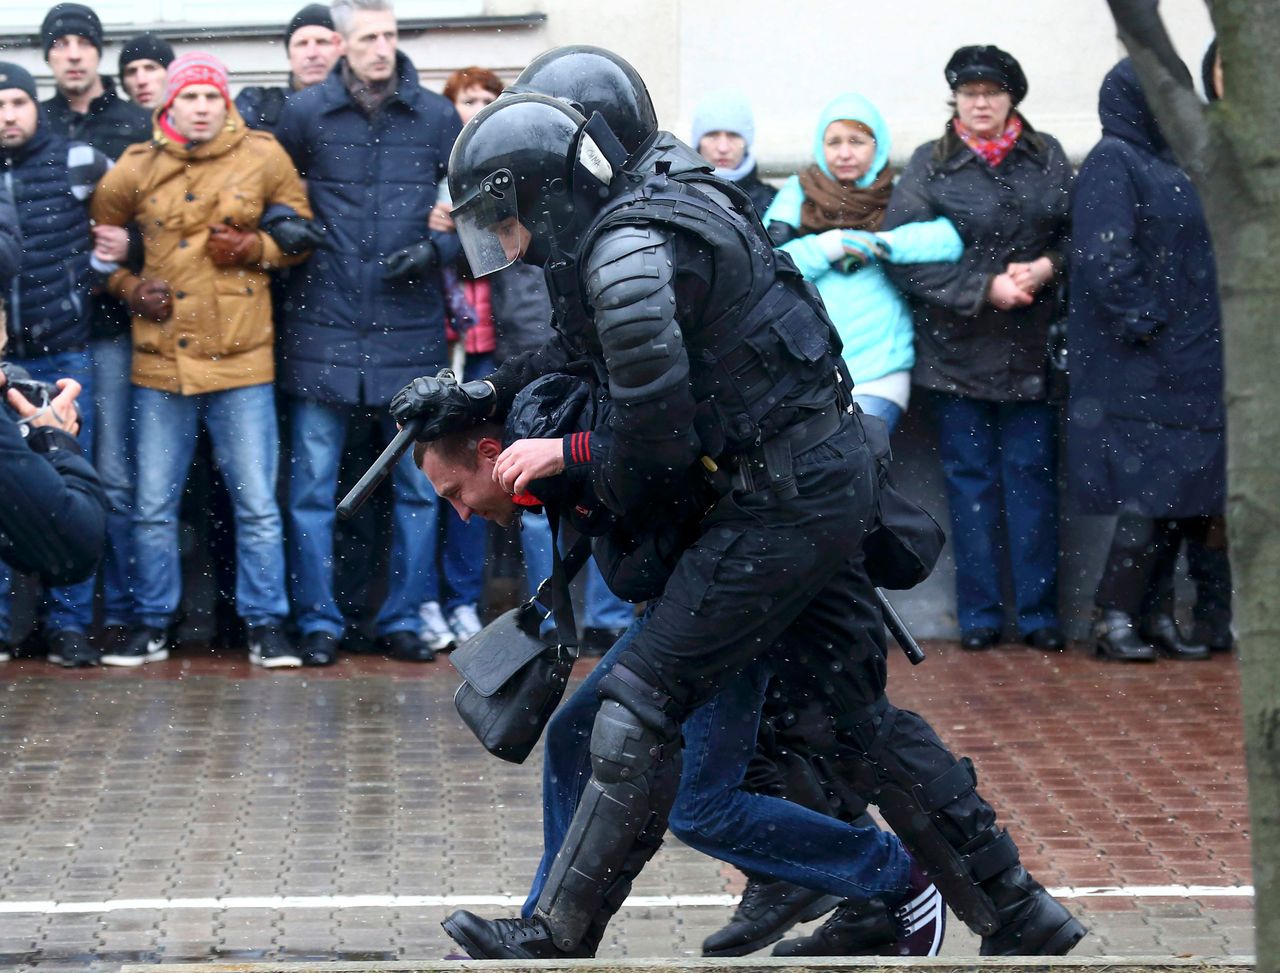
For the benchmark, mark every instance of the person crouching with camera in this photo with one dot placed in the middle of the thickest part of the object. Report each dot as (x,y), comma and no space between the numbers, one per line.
(202,344)
(50,179)
(52,508)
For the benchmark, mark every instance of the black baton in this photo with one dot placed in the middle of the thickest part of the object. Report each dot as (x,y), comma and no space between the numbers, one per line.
(376,473)
(898,629)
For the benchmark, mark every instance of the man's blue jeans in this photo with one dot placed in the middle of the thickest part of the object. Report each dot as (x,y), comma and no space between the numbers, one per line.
(246,446)
(317,436)
(1000,463)
(765,835)
(113,457)
(604,609)
(67,609)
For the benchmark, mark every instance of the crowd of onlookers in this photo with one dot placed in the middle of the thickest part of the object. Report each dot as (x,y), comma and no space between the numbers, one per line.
(263,273)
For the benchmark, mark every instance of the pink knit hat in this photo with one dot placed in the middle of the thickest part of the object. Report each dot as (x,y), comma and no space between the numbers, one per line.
(196,68)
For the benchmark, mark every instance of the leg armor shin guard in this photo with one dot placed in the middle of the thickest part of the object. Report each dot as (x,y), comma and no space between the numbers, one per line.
(929,799)
(620,820)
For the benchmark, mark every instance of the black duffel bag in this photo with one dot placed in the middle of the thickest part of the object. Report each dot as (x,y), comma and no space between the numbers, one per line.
(903,544)
(513,677)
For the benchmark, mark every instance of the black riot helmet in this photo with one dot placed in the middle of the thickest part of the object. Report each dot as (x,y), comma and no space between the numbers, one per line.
(528,164)
(592,79)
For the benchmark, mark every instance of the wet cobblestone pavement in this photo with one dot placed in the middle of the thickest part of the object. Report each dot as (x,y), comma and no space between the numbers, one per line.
(160,815)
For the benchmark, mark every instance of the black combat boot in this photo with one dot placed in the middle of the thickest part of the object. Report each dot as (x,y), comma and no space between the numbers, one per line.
(1116,637)
(914,927)
(1032,922)
(767,910)
(1162,632)
(505,938)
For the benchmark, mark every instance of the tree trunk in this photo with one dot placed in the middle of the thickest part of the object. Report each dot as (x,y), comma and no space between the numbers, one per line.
(1232,151)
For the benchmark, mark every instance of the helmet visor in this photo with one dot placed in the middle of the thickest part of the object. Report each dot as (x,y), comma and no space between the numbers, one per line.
(488,224)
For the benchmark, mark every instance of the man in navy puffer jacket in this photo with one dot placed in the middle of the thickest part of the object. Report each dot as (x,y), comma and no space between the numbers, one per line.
(365,315)
(48,300)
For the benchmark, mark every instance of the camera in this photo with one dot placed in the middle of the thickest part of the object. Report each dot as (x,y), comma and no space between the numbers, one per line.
(38,393)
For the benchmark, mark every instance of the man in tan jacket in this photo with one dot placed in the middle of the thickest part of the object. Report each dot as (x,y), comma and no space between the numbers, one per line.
(202,343)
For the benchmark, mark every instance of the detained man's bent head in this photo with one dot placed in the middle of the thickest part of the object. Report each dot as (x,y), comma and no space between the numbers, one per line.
(460,468)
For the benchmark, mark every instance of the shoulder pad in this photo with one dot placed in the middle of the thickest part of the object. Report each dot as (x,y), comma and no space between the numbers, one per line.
(626,264)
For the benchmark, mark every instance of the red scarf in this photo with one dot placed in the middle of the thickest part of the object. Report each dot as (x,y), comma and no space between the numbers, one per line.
(992,151)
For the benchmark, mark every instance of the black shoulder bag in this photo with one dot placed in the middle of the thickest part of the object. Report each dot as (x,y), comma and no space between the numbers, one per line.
(513,677)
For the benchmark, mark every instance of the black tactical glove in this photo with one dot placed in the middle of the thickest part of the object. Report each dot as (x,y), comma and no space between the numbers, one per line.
(443,403)
(294,235)
(412,261)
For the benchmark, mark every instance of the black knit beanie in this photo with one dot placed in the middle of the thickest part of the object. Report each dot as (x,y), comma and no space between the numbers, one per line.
(16,76)
(146,47)
(312,15)
(70,18)
(1206,71)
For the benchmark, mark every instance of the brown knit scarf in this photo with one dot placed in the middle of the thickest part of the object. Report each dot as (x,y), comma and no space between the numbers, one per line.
(369,96)
(830,205)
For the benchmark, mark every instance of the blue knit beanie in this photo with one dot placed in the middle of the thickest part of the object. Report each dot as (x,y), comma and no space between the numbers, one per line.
(724,111)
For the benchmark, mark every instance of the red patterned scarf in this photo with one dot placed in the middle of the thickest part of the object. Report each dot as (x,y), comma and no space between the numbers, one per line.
(992,151)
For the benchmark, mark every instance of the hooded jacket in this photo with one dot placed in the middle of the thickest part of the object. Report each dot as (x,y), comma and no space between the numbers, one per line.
(868,311)
(353,337)
(1146,417)
(1016,212)
(220,335)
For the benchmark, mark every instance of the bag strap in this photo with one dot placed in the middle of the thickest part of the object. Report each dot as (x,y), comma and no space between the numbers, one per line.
(563,570)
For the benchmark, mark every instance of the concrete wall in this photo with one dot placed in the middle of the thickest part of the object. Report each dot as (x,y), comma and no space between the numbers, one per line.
(789,58)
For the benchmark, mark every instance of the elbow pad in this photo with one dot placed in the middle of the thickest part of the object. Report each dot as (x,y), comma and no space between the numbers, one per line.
(630,284)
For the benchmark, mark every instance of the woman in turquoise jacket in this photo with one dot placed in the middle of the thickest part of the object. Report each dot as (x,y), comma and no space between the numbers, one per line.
(828,217)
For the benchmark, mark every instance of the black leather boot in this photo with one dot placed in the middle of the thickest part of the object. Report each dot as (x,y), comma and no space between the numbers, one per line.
(504,938)
(767,910)
(1116,637)
(1032,922)
(1162,632)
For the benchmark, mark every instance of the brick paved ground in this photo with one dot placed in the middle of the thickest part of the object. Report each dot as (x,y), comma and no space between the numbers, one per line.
(202,778)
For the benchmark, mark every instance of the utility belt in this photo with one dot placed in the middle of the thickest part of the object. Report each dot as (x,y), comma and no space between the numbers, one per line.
(770,465)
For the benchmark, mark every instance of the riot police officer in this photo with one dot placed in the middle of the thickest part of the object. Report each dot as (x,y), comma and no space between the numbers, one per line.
(711,346)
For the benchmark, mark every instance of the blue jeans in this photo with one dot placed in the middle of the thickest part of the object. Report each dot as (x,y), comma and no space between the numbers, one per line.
(881,408)
(1001,456)
(765,835)
(604,609)
(113,456)
(317,434)
(70,608)
(246,447)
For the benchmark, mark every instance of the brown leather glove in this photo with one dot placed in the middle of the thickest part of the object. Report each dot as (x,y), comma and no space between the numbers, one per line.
(229,247)
(151,300)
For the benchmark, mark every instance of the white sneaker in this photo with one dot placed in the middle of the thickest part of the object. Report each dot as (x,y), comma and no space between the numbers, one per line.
(434,630)
(464,621)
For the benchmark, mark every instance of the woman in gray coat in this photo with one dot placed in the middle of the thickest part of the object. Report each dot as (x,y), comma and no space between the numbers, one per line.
(982,329)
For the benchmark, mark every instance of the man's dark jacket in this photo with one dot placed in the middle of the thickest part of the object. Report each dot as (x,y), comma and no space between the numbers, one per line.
(1018,211)
(110,125)
(1146,426)
(48,300)
(52,508)
(352,337)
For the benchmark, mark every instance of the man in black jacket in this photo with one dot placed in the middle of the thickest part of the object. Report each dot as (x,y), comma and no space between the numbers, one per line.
(52,508)
(86,107)
(313,47)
